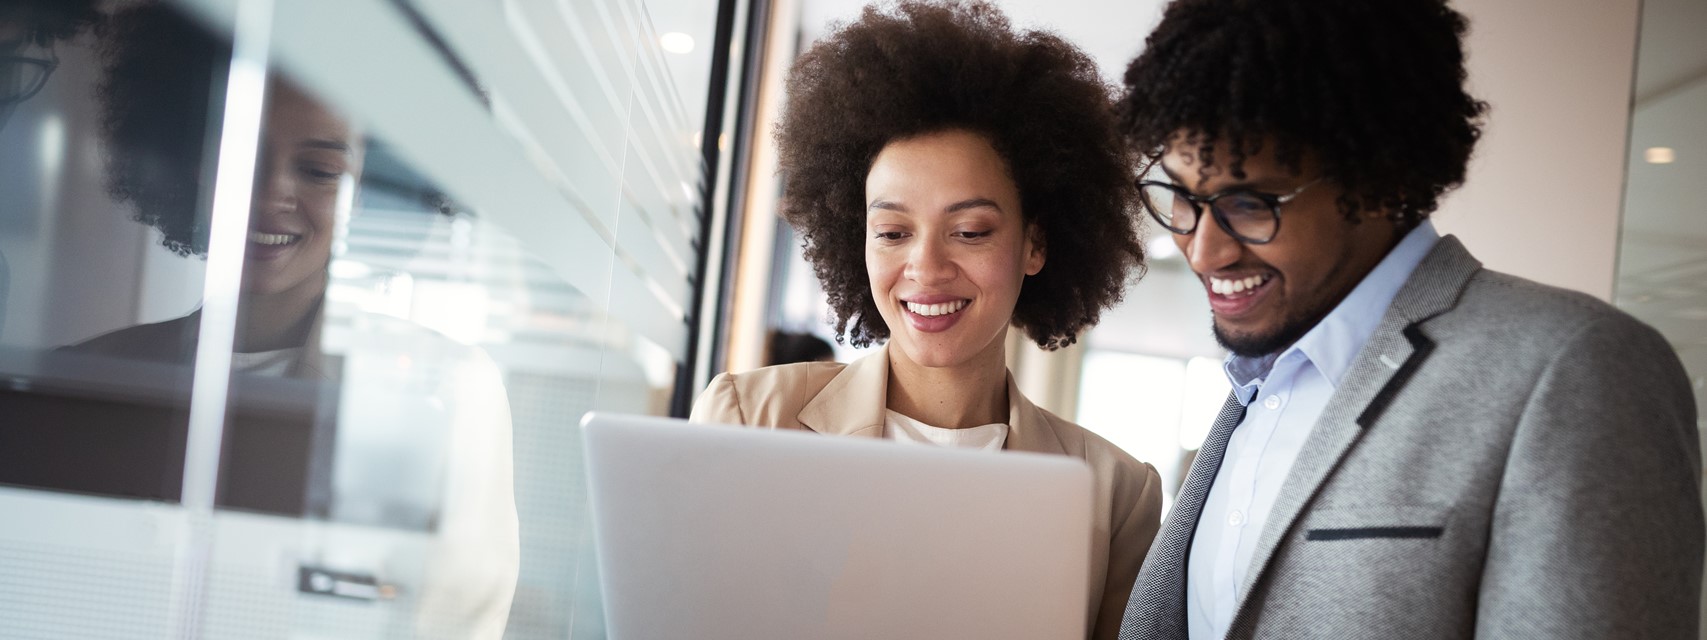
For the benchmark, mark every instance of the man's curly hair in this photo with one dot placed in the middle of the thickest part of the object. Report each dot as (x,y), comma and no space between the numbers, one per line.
(915,68)
(160,108)
(48,21)
(1374,90)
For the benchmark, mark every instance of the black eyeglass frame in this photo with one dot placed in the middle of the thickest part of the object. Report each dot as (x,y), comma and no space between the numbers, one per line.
(1198,203)
(48,65)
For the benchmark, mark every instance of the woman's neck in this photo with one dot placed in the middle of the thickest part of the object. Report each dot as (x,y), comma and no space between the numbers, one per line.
(970,394)
(282,320)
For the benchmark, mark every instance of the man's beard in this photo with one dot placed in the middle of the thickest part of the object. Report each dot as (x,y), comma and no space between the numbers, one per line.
(1258,345)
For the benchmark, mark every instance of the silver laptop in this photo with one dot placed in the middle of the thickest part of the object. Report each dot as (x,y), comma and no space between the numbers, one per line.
(721,532)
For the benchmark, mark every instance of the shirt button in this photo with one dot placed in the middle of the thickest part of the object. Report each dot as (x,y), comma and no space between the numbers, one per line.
(1273,402)
(1235,519)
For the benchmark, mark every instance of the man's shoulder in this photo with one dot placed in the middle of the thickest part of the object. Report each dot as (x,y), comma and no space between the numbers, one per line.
(1508,304)
(1529,327)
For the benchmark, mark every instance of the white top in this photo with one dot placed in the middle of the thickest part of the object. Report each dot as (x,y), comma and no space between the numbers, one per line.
(1294,387)
(274,364)
(900,428)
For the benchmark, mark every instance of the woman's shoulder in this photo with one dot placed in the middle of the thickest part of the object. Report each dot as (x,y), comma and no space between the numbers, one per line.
(1128,472)
(168,341)
(768,396)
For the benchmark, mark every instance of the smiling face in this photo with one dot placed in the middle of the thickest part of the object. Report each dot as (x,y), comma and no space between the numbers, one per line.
(946,247)
(307,156)
(1265,297)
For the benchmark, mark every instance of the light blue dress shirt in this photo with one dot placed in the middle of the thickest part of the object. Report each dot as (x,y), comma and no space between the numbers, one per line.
(1294,387)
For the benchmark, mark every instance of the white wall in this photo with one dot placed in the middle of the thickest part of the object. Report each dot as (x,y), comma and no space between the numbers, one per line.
(1545,189)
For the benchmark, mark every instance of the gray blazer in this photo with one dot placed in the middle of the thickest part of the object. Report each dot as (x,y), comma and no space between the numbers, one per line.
(1504,460)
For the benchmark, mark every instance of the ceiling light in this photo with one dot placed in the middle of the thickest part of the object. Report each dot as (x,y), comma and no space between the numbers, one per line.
(1660,155)
(676,42)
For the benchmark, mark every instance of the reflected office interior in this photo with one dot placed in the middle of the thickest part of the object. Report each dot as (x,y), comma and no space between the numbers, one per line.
(398,450)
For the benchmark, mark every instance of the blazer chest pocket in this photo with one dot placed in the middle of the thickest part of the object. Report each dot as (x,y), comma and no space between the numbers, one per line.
(1395,523)
(1363,533)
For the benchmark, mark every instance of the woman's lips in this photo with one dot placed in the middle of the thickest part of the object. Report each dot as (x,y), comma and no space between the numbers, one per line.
(269,246)
(934,316)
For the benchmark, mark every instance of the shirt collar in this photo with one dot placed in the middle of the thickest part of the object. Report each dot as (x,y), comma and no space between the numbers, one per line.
(1333,343)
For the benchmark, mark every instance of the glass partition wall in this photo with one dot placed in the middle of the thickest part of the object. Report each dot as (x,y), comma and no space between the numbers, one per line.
(303,303)
(1662,250)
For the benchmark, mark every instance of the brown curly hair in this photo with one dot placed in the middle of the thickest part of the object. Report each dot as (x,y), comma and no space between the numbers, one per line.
(916,67)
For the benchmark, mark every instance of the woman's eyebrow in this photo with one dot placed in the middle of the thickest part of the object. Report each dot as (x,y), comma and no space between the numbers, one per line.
(324,143)
(970,203)
(973,203)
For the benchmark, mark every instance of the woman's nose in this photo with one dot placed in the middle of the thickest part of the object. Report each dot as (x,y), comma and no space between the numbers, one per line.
(928,264)
(275,187)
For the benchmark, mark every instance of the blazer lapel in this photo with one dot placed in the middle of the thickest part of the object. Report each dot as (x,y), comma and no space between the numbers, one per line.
(1380,370)
(1028,426)
(852,403)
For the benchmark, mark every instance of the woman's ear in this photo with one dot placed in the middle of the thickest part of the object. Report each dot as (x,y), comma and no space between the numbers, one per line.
(1036,250)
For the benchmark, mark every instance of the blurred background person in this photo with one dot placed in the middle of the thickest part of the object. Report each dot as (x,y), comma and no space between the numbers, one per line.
(788,347)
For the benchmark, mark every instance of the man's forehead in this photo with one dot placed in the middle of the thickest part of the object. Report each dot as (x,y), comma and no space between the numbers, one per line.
(1192,166)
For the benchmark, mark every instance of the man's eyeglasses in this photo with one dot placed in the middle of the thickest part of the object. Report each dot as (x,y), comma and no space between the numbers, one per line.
(1252,217)
(21,77)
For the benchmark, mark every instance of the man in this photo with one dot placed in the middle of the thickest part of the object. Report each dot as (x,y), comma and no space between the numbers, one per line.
(1415,447)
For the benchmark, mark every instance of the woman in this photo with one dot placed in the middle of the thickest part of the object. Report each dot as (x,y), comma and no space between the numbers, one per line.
(423,433)
(950,178)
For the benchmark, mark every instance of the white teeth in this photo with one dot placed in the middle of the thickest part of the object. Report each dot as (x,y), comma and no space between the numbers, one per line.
(1234,287)
(939,309)
(272,238)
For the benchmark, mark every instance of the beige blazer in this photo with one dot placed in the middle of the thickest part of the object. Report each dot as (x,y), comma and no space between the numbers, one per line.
(848,400)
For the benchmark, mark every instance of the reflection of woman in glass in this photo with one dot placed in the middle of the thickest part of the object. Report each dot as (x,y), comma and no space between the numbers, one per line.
(160,74)
(423,434)
(951,178)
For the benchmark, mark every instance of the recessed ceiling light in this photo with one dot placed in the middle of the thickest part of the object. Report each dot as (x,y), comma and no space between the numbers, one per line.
(1660,155)
(676,42)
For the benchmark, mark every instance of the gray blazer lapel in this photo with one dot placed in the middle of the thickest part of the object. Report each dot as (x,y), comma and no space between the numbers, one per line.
(1380,370)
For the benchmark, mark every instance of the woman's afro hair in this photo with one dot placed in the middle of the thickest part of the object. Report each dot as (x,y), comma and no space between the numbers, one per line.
(159,100)
(912,68)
